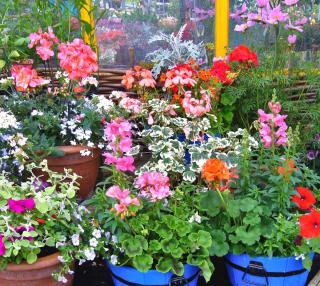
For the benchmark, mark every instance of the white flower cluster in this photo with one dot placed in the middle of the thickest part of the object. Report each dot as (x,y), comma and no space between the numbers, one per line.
(7,120)
(89,80)
(102,103)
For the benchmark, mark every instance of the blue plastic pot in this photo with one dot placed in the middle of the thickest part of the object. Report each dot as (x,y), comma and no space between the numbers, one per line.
(128,276)
(244,270)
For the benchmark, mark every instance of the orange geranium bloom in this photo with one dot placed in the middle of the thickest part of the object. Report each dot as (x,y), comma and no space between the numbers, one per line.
(215,171)
(205,75)
(163,77)
(287,169)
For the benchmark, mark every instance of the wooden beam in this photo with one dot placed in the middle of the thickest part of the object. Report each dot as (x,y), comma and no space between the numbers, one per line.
(222,27)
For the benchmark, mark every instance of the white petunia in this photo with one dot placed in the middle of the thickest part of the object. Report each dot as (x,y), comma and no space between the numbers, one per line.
(85,152)
(93,242)
(90,254)
(114,259)
(75,239)
(96,233)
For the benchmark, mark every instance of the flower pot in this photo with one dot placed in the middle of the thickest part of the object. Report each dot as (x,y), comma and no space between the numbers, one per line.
(124,276)
(37,274)
(85,166)
(244,270)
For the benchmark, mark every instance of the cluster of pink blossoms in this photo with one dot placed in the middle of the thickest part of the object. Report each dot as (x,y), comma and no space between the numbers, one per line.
(130,104)
(273,127)
(124,198)
(43,43)
(196,107)
(77,59)
(138,77)
(118,133)
(153,186)
(26,77)
(270,15)
(180,75)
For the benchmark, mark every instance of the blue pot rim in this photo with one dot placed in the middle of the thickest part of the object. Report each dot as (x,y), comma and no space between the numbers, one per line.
(109,264)
(267,257)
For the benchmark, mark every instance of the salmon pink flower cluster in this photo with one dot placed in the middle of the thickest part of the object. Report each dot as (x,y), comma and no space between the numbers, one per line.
(132,105)
(138,77)
(153,186)
(196,107)
(26,77)
(124,198)
(119,135)
(273,126)
(77,59)
(20,206)
(43,43)
(181,75)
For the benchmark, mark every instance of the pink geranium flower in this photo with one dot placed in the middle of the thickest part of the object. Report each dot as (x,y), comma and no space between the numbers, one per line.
(77,59)
(196,107)
(153,186)
(20,206)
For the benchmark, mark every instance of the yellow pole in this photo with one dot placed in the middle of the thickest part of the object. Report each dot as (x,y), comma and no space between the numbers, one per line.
(86,15)
(222,27)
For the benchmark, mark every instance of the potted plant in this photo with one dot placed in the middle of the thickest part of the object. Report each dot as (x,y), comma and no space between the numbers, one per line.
(60,122)
(263,212)
(43,229)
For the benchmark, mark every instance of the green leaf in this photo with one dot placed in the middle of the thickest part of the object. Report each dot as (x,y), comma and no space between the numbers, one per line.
(247,204)
(252,219)
(143,263)
(31,258)
(204,239)
(207,269)
(2,64)
(21,41)
(164,265)
(132,247)
(154,246)
(164,231)
(42,206)
(177,252)
(211,203)
(250,236)
(50,242)
(169,245)
(178,268)
(307,262)
(14,54)
(219,247)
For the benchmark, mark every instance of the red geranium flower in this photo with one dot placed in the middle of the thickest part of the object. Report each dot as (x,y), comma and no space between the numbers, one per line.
(305,199)
(223,71)
(310,224)
(242,54)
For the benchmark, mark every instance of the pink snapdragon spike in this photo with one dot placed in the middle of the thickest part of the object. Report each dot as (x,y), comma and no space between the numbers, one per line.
(2,246)
(119,136)
(262,3)
(77,59)
(292,39)
(196,107)
(153,186)
(26,77)
(43,43)
(291,2)
(20,206)
(273,129)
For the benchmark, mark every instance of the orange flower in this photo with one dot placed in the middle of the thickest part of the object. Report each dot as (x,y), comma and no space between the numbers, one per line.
(163,77)
(215,171)
(287,169)
(137,68)
(205,75)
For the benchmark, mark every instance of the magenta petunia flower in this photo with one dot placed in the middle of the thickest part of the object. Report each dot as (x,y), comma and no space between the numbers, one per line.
(20,206)
(2,246)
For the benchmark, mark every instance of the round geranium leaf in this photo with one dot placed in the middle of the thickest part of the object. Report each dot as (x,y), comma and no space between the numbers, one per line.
(132,247)
(143,262)
(164,265)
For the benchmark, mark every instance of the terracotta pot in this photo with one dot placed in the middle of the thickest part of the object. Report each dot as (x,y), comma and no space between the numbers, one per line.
(85,166)
(37,274)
